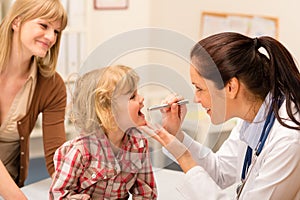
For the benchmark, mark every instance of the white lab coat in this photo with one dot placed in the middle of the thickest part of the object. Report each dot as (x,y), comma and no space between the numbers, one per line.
(275,175)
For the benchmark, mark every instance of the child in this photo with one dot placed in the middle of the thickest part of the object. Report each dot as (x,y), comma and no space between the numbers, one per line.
(110,158)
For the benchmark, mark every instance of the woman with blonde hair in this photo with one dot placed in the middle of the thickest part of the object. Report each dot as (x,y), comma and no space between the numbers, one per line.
(110,158)
(30,36)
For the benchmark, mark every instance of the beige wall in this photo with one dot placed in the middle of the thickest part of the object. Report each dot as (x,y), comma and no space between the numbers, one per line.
(184,17)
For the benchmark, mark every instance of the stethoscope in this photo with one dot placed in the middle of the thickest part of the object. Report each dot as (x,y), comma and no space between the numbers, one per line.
(248,156)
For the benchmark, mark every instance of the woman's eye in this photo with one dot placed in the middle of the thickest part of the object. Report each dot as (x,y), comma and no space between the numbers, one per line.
(198,89)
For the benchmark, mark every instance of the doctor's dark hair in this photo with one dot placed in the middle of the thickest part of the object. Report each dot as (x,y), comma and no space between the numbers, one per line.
(222,56)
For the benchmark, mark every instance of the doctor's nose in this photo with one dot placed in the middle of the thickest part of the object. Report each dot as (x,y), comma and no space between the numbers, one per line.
(197,99)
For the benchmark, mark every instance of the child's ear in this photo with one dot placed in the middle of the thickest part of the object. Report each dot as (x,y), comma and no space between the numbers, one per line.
(16,24)
(232,87)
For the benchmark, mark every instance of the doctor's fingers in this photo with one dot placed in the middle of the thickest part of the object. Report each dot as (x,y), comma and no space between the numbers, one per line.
(172,98)
(150,130)
(158,133)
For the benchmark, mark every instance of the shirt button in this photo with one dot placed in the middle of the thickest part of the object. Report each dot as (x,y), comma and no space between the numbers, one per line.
(22,153)
(93,175)
(22,138)
(22,167)
(19,122)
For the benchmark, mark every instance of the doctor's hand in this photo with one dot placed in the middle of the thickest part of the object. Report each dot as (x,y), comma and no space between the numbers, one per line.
(172,144)
(167,140)
(173,116)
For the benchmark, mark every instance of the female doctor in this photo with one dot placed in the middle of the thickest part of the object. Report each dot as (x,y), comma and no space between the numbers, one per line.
(234,78)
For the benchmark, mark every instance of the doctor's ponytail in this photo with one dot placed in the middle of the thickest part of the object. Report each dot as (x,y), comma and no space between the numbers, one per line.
(263,64)
(284,77)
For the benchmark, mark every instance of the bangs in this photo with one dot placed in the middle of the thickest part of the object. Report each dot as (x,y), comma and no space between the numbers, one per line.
(51,10)
(128,83)
(55,13)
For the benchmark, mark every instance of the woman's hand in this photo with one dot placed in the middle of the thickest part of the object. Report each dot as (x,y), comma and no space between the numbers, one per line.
(172,144)
(167,140)
(173,116)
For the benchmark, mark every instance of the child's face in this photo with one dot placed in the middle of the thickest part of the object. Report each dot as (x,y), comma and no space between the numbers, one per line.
(129,111)
(135,104)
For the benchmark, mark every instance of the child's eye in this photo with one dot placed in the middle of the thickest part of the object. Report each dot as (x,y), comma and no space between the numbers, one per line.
(44,26)
(132,96)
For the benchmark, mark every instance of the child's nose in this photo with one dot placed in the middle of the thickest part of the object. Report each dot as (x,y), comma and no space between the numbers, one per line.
(141,99)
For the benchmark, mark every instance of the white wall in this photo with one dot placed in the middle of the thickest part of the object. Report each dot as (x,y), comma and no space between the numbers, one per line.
(184,16)
(104,24)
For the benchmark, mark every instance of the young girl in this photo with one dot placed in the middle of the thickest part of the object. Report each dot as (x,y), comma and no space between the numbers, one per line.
(110,158)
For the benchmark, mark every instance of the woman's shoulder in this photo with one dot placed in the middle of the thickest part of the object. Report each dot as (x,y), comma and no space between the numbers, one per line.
(50,87)
(285,131)
(282,133)
(53,80)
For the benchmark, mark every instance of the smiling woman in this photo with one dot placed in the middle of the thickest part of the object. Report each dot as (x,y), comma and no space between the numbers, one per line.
(37,35)
(30,36)
(233,78)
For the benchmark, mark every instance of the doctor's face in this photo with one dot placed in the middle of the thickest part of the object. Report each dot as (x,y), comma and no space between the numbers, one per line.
(210,98)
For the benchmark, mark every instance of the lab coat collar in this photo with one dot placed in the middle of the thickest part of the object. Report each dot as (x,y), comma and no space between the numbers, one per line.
(250,132)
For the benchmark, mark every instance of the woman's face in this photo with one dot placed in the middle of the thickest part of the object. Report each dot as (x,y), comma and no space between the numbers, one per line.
(37,36)
(211,99)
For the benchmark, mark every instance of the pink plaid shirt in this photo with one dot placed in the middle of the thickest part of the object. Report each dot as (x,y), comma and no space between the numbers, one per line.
(86,167)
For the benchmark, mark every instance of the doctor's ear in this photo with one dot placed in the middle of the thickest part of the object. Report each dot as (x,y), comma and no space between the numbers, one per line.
(16,23)
(232,87)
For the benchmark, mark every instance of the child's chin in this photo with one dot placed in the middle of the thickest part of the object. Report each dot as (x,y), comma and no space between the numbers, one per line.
(142,123)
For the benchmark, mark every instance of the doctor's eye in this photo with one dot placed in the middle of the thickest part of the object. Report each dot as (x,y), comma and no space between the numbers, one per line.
(198,89)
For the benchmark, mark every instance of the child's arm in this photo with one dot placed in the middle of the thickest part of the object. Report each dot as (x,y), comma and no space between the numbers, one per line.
(145,186)
(68,169)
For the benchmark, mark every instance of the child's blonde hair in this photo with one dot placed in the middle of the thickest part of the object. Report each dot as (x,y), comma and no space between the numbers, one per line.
(95,95)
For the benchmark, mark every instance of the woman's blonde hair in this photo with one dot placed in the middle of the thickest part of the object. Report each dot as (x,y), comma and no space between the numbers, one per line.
(27,10)
(95,95)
